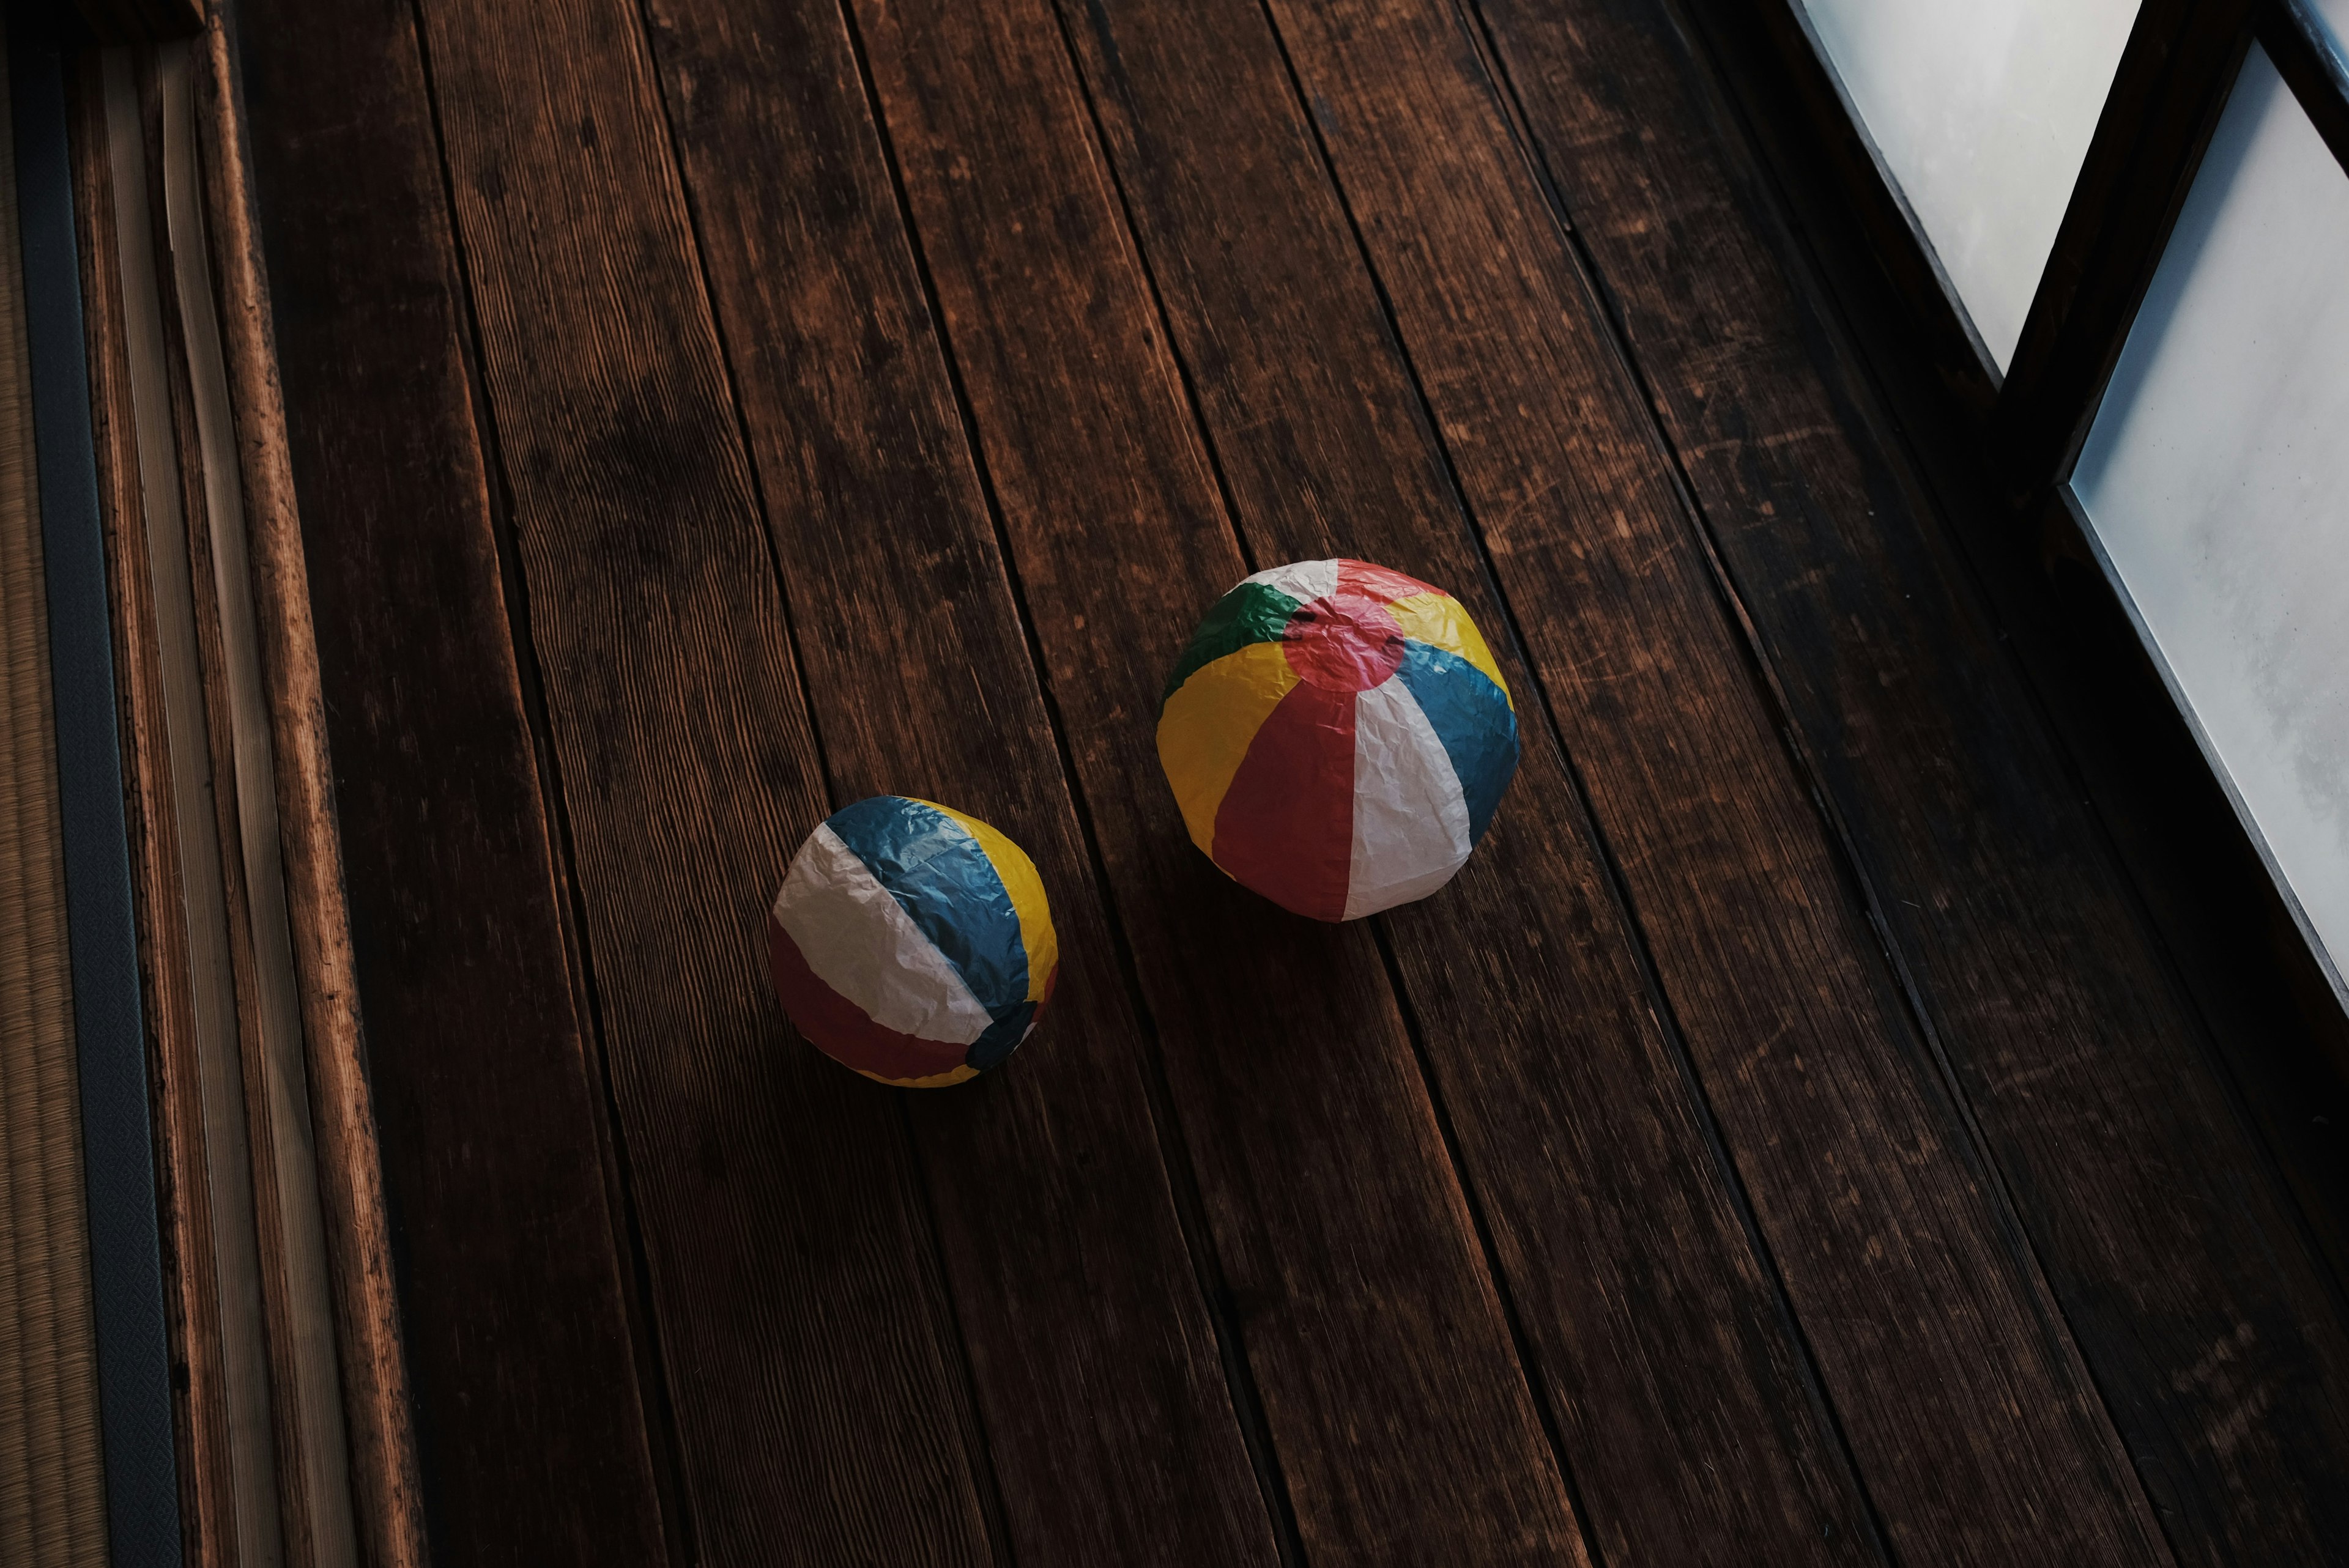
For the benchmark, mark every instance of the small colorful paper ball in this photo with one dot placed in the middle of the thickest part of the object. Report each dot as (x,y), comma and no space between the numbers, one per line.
(1338,736)
(912,943)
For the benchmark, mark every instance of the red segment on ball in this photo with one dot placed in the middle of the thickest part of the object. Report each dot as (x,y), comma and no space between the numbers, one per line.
(1383,584)
(1343,642)
(1286,827)
(844,1031)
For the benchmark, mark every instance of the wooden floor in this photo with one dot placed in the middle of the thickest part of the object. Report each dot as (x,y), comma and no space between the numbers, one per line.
(1791,1139)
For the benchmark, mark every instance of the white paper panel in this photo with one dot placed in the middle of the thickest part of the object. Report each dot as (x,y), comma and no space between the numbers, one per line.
(2215,479)
(2336,15)
(1983,110)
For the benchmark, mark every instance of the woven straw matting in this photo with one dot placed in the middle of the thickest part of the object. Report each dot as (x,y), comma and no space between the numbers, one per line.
(52,1489)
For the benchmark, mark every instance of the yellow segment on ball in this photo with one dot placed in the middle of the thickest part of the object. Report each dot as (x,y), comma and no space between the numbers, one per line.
(963,1073)
(1440,621)
(1204,730)
(1018,874)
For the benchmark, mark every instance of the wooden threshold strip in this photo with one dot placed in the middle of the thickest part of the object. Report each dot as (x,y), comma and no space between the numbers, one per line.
(292,1416)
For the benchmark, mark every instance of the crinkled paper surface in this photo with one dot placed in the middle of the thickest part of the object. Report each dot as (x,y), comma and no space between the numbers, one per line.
(912,942)
(1338,736)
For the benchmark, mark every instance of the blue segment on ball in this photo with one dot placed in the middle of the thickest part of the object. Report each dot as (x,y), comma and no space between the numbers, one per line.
(1472,718)
(943,878)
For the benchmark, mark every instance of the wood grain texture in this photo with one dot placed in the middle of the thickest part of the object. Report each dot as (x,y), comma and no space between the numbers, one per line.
(1095,1363)
(1628,1201)
(1082,419)
(510,1262)
(200,1400)
(1638,1286)
(218,1072)
(348,1163)
(1401,1420)
(1770,970)
(2185,1275)
(2274,1013)
(2121,1121)
(809,1345)
(308,1441)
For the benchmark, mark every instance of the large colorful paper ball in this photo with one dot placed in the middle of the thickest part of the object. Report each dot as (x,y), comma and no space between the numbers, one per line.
(1338,736)
(912,943)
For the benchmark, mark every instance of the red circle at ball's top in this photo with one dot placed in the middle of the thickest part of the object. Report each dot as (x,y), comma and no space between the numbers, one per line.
(1344,641)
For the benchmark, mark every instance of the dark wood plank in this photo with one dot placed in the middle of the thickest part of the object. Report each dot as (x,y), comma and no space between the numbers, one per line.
(1401,1420)
(1862,1176)
(510,1265)
(810,1354)
(209,1075)
(250,437)
(1557,1053)
(657,621)
(2179,1261)
(1094,1360)
(307,1444)
(139,21)
(1102,487)
(2275,1019)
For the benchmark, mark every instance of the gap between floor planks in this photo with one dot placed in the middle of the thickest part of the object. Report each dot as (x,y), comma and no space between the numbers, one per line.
(975,345)
(1345,113)
(535,457)
(2060,976)
(1030,627)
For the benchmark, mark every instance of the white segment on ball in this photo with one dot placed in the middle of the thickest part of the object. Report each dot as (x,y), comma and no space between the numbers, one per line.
(859,941)
(1303,581)
(1410,820)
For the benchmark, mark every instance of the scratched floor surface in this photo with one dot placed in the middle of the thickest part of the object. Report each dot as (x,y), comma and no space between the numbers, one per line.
(1791,1139)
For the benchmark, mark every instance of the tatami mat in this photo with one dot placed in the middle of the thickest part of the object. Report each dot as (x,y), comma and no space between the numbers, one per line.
(52,1490)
